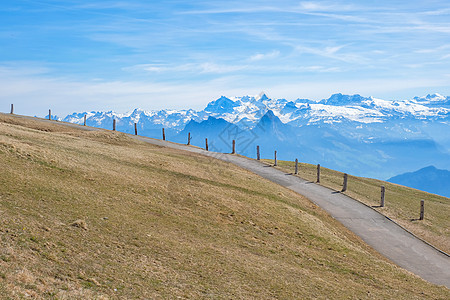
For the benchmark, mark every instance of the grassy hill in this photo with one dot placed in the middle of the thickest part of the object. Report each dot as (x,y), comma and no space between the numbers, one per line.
(99,215)
(402,204)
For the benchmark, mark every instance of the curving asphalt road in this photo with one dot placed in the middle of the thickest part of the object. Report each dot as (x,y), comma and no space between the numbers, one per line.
(385,236)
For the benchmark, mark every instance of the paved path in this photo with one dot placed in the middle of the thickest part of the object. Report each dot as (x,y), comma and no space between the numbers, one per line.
(379,232)
(383,235)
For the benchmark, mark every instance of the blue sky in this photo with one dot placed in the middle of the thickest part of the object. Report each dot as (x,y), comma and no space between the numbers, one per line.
(118,55)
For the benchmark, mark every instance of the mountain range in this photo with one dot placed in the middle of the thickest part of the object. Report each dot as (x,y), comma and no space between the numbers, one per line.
(364,136)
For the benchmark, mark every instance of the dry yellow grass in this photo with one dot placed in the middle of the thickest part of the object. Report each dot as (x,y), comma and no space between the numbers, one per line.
(402,204)
(98,215)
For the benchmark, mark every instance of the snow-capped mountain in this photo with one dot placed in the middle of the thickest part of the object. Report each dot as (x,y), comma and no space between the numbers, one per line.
(355,134)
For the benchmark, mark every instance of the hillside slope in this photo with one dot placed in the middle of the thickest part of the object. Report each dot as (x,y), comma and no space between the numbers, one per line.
(100,215)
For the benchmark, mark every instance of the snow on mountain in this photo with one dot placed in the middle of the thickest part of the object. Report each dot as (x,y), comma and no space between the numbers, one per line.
(433,99)
(221,105)
(342,100)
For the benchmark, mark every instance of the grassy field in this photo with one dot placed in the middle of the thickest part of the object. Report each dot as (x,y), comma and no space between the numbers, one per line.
(402,204)
(99,215)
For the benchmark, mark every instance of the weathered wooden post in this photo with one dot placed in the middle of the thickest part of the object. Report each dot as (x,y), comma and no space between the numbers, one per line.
(344,186)
(234,147)
(189,138)
(258,157)
(114,124)
(84,124)
(422,209)
(296,166)
(164,134)
(318,173)
(383,191)
(49,114)
(275,159)
(12,108)
(206,144)
(135,128)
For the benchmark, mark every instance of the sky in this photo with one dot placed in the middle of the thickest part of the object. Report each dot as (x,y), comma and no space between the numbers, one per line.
(76,56)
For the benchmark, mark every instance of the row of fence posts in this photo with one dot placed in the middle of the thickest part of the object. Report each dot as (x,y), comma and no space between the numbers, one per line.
(344,184)
(258,157)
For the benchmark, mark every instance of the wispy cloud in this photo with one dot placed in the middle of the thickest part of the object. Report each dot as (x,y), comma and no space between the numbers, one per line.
(205,67)
(333,52)
(327,6)
(263,56)
(439,49)
(437,12)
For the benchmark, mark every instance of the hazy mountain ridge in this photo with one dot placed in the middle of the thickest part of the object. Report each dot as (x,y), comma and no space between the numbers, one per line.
(429,179)
(360,135)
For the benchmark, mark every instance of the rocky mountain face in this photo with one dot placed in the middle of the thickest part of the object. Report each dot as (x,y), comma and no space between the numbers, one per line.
(359,135)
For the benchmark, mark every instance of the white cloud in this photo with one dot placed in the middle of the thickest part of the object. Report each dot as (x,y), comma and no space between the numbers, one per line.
(262,56)
(437,12)
(325,6)
(332,53)
(220,69)
(204,67)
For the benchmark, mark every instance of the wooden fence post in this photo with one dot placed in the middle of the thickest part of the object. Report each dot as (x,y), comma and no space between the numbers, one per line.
(189,138)
(234,147)
(164,134)
(258,157)
(206,144)
(84,120)
(318,173)
(49,114)
(114,124)
(422,209)
(12,108)
(296,166)
(344,186)
(135,128)
(383,191)
(275,159)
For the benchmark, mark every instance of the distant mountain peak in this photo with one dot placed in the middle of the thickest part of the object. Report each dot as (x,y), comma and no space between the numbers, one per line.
(270,119)
(138,111)
(429,179)
(342,100)
(434,96)
(262,97)
(429,168)
(223,105)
